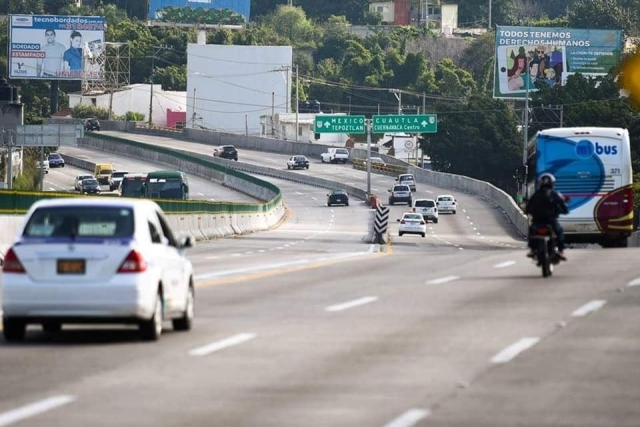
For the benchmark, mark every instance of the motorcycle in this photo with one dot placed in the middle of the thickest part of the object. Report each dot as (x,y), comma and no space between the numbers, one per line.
(544,247)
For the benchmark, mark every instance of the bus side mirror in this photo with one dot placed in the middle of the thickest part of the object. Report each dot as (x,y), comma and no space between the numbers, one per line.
(186,188)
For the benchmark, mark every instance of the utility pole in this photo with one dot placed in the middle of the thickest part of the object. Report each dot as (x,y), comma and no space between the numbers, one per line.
(156,51)
(489,15)
(297,102)
(398,95)
(525,127)
(349,113)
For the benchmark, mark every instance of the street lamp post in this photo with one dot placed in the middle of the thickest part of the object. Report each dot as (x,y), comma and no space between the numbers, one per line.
(297,102)
(525,125)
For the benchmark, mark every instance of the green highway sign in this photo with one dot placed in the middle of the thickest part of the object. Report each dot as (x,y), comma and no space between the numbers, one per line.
(340,124)
(410,123)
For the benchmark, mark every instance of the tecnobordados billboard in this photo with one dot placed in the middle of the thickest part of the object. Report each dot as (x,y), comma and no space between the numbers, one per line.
(215,12)
(552,55)
(54,47)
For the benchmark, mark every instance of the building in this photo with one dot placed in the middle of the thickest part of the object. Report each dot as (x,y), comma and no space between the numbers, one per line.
(435,13)
(229,87)
(136,98)
(283,126)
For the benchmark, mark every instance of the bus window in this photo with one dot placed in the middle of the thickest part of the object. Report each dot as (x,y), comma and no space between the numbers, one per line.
(166,185)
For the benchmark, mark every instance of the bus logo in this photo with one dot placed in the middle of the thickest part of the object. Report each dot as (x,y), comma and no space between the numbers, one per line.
(585,149)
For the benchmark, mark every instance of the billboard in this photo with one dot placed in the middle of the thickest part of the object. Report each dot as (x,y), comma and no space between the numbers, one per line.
(552,54)
(53,47)
(222,12)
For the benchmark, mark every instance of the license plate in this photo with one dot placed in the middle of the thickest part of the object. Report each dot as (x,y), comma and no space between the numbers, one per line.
(338,200)
(71,266)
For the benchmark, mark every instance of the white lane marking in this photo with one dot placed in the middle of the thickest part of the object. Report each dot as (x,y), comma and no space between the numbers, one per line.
(427,191)
(351,304)
(470,223)
(212,200)
(200,194)
(236,254)
(258,268)
(634,282)
(262,251)
(313,198)
(248,252)
(222,344)
(514,349)
(443,280)
(52,189)
(374,189)
(212,257)
(299,193)
(33,409)
(590,307)
(504,264)
(409,418)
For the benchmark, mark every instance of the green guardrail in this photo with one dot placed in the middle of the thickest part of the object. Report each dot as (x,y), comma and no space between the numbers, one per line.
(14,202)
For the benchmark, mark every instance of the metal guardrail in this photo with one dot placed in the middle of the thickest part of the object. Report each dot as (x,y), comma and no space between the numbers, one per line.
(384,169)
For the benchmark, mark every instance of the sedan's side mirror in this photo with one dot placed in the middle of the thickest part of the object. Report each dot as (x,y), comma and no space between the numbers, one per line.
(389,191)
(398,220)
(396,179)
(185,241)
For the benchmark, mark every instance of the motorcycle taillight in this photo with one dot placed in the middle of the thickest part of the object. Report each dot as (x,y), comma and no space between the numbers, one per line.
(542,230)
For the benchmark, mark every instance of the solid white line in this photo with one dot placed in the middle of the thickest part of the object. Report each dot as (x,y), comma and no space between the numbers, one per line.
(222,344)
(313,198)
(634,282)
(212,257)
(443,280)
(515,349)
(590,307)
(351,304)
(236,254)
(32,409)
(504,264)
(409,418)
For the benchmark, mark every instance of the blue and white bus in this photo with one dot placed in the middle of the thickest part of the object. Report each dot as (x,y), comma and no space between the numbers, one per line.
(592,166)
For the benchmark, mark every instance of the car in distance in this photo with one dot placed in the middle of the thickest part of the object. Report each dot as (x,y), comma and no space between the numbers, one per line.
(408,179)
(298,162)
(447,203)
(400,193)
(335,155)
(78,181)
(43,165)
(116,179)
(91,124)
(427,208)
(110,260)
(337,197)
(412,223)
(55,160)
(90,186)
(375,161)
(226,152)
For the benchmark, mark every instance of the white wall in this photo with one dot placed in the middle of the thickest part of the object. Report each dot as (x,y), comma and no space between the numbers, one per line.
(136,98)
(449,16)
(232,82)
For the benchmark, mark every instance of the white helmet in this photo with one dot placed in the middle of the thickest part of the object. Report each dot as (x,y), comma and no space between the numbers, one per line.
(546,179)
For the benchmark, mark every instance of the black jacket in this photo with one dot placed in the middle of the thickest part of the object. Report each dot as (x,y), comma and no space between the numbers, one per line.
(546,204)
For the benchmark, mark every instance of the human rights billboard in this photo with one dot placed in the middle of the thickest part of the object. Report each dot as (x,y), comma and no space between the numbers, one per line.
(56,47)
(526,55)
(214,12)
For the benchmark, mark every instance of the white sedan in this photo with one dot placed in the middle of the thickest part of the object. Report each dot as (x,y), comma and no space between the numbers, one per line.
(80,260)
(412,223)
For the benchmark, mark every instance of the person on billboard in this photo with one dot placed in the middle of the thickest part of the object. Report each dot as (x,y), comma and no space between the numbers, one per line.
(73,56)
(53,53)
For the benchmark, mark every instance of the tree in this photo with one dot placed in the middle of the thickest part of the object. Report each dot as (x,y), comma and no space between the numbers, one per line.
(291,22)
(477,139)
(479,60)
(604,14)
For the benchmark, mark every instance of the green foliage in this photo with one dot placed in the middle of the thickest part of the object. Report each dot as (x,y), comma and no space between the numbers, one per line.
(603,14)
(201,15)
(132,116)
(172,78)
(291,23)
(89,111)
(477,138)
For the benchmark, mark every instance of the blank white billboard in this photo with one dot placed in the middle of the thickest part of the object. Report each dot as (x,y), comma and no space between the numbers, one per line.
(230,87)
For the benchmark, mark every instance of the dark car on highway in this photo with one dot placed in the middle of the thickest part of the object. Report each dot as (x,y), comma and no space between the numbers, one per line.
(90,186)
(56,160)
(92,124)
(338,197)
(226,152)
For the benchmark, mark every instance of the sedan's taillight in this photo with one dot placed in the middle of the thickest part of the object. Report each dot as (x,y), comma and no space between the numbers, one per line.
(11,263)
(133,263)
(422,223)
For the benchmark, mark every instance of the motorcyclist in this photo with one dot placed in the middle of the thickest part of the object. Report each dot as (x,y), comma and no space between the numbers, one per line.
(545,206)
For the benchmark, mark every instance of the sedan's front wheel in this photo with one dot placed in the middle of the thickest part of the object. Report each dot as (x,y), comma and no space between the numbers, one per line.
(13,330)
(152,329)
